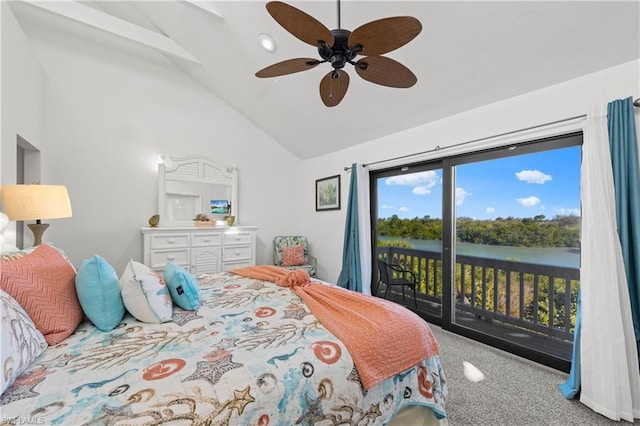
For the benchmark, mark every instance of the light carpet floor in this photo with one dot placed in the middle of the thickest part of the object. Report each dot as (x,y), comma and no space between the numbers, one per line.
(515,391)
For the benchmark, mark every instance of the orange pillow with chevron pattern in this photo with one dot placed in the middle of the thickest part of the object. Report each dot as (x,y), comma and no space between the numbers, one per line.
(43,283)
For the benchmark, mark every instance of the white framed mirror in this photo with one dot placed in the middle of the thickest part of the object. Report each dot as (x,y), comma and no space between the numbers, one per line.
(188,186)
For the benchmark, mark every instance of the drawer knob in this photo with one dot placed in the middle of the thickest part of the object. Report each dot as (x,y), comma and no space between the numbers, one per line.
(171,258)
(237,253)
(171,241)
(206,240)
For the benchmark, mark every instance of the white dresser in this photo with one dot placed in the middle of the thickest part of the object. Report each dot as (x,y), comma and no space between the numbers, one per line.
(200,250)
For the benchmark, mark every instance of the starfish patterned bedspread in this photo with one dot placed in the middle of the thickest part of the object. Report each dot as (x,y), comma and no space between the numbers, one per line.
(252,354)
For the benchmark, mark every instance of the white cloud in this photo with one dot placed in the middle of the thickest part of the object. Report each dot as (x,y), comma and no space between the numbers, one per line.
(421,181)
(533,176)
(529,201)
(386,206)
(403,209)
(490,210)
(461,194)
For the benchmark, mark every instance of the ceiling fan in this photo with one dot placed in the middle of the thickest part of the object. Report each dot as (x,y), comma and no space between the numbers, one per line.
(340,46)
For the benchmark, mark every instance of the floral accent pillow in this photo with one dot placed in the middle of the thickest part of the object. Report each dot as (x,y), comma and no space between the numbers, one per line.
(292,255)
(21,342)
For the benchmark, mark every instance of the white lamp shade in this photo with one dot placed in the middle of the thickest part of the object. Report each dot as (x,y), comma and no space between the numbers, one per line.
(35,202)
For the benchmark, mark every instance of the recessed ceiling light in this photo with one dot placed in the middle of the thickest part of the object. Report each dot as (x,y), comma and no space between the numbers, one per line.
(267,42)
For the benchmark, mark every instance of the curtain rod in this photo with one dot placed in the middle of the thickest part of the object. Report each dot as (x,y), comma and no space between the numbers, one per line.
(636,103)
(439,148)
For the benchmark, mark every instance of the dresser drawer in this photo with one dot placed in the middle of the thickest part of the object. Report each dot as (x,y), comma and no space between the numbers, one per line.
(166,241)
(230,254)
(200,250)
(237,238)
(159,258)
(227,266)
(204,240)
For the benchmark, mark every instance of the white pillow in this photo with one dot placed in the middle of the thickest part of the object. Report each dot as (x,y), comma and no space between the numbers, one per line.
(21,342)
(145,294)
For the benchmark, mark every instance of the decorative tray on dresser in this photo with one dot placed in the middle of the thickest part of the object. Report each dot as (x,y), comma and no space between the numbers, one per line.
(200,250)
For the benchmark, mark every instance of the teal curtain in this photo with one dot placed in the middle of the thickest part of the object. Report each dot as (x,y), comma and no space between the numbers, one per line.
(571,387)
(623,144)
(351,274)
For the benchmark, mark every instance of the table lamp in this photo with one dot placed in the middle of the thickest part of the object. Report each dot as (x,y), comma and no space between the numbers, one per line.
(36,202)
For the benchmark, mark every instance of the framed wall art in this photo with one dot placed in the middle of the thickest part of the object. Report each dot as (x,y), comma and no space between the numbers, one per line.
(328,193)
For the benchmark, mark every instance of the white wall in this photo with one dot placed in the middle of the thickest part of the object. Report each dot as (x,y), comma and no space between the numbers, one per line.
(557,102)
(21,97)
(108,115)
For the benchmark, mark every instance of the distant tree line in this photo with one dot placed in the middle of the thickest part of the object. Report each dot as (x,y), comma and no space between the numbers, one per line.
(560,231)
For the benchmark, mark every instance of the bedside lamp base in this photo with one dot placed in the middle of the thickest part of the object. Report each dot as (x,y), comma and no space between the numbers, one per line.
(37,229)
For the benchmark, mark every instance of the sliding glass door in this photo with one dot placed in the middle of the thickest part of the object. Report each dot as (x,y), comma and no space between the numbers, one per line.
(408,231)
(494,241)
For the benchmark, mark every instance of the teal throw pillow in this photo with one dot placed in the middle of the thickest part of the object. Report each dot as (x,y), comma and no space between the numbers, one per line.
(183,287)
(99,294)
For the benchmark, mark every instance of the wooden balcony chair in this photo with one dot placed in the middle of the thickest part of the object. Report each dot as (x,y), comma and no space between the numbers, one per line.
(394,275)
(292,252)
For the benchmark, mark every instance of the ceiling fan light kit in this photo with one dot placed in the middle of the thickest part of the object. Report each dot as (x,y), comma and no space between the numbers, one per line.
(340,47)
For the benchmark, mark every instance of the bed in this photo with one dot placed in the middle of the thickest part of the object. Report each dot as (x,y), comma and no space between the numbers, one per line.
(251,353)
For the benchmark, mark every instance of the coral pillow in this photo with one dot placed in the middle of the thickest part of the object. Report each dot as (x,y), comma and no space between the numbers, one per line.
(145,294)
(98,290)
(292,255)
(43,283)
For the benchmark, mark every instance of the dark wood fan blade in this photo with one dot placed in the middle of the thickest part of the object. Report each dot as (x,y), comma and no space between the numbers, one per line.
(289,66)
(333,87)
(300,24)
(385,71)
(384,35)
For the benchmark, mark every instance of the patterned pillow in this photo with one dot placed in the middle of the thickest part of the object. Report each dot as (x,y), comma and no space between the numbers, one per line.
(145,294)
(183,287)
(12,255)
(43,283)
(99,293)
(21,342)
(292,255)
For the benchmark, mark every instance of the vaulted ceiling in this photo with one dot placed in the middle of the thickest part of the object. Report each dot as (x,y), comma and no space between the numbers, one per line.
(468,54)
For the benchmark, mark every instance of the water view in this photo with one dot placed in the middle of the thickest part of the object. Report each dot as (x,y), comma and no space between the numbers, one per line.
(554,256)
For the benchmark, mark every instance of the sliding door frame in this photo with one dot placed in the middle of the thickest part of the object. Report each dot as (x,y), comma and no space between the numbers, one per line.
(448,165)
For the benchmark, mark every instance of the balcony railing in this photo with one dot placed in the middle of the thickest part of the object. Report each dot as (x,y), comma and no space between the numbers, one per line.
(537,298)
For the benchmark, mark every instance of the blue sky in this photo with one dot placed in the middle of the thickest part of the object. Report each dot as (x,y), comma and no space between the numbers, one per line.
(546,183)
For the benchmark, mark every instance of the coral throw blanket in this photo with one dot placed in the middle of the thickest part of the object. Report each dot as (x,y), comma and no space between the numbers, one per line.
(383,338)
